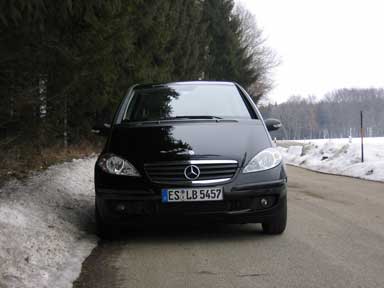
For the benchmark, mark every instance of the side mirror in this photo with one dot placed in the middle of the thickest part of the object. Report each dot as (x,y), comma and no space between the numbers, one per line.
(101,129)
(273,124)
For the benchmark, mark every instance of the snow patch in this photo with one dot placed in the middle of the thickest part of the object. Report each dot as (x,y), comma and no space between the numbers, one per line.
(46,225)
(295,150)
(337,156)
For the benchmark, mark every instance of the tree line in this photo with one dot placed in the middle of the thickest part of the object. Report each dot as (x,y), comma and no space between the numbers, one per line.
(66,64)
(337,115)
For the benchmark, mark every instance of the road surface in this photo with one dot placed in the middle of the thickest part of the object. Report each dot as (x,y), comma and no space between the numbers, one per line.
(334,238)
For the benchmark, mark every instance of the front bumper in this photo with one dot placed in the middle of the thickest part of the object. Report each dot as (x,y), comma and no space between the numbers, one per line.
(241,204)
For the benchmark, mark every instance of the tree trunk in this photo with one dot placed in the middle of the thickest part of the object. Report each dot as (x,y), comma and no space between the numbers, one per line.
(65,134)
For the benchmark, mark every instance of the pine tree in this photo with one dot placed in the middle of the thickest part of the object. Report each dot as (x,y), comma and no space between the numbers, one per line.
(65,63)
(235,51)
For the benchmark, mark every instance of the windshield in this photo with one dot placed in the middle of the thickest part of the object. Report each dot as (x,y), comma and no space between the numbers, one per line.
(190,101)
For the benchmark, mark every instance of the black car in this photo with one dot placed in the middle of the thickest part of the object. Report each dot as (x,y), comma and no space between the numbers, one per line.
(189,151)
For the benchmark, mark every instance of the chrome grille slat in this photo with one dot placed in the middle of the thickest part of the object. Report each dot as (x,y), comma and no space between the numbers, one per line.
(173,172)
(200,178)
(178,173)
(219,167)
(168,173)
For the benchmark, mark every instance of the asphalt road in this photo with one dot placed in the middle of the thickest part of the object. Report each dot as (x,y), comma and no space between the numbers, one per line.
(334,238)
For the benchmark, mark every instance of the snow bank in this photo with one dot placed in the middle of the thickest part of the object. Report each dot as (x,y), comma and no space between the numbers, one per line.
(45,224)
(337,156)
(295,150)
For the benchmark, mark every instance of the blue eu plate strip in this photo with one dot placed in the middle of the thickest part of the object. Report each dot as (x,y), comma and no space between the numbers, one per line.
(164,195)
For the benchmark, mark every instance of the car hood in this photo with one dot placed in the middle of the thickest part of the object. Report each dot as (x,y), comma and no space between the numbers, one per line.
(229,140)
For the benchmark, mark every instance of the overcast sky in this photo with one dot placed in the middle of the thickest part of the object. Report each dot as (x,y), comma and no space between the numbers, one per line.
(323,44)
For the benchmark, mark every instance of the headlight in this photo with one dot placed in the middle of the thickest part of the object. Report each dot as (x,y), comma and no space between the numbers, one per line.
(266,159)
(113,164)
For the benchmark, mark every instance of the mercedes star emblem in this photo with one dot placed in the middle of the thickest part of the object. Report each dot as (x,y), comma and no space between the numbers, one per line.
(192,172)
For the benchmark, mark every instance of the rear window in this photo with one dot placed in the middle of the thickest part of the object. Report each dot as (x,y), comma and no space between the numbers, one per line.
(187,100)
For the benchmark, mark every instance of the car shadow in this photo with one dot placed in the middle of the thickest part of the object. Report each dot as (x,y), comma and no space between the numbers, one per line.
(179,233)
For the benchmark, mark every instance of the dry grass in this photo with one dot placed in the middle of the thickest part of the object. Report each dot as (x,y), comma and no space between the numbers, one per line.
(18,162)
(287,143)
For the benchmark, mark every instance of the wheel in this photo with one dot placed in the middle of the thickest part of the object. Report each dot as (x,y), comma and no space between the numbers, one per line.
(277,225)
(103,230)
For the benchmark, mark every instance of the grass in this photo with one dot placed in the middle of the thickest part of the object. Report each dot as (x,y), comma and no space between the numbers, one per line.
(19,161)
(287,143)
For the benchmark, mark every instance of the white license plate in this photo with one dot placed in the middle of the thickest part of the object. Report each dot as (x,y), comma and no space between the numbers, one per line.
(192,194)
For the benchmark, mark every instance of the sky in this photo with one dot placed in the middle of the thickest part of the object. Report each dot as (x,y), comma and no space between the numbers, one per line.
(323,45)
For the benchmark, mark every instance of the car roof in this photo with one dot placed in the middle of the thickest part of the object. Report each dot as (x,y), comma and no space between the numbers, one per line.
(156,85)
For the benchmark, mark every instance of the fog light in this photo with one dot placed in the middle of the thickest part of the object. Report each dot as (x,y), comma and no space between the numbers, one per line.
(264,202)
(120,207)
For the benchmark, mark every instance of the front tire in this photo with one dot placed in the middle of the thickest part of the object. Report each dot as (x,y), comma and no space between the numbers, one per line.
(278,223)
(103,230)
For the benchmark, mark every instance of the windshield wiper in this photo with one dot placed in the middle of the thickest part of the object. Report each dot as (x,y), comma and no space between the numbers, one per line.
(194,117)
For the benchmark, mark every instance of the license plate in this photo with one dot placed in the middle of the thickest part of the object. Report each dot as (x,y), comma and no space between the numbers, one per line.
(192,194)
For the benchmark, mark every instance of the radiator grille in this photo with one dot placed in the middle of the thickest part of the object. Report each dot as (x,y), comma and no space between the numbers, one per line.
(210,171)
